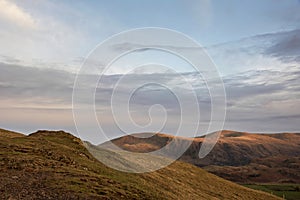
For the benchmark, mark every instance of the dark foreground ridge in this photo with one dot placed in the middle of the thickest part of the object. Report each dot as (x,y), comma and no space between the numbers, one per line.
(56,165)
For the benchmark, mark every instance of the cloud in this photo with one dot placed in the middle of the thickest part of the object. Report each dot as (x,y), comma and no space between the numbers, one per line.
(49,32)
(34,87)
(43,98)
(275,51)
(272,51)
(13,14)
(263,96)
(286,47)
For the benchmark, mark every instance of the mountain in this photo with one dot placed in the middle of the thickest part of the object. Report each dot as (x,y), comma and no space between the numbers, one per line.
(56,165)
(238,156)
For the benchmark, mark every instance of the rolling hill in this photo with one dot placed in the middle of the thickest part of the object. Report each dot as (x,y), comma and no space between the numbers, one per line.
(11,134)
(238,156)
(56,165)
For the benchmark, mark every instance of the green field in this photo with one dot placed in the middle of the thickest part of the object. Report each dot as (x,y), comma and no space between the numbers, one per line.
(287,191)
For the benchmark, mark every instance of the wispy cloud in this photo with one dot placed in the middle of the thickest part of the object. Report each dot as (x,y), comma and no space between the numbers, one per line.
(286,47)
(13,14)
(272,51)
(49,32)
(255,98)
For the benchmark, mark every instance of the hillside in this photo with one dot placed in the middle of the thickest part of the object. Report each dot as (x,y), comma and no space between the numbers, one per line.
(238,156)
(11,134)
(56,165)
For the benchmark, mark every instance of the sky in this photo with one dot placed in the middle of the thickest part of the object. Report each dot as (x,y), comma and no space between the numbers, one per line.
(255,46)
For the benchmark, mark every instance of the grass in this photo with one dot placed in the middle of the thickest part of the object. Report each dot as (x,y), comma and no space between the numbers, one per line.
(56,165)
(287,191)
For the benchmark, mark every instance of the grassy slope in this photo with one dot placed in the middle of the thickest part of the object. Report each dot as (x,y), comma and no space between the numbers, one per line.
(55,165)
(11,134)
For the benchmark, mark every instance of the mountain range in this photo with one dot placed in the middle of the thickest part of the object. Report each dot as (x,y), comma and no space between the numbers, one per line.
(237,156)
(56,165)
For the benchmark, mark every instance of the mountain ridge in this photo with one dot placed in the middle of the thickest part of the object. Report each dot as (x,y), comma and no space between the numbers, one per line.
(234,153)
(55,165)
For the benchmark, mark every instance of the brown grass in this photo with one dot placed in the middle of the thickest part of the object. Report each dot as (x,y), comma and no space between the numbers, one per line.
(55,165)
